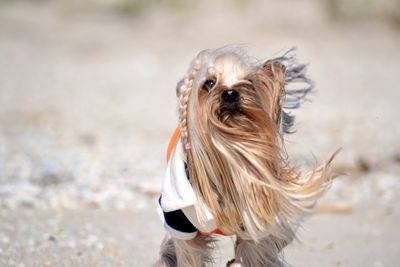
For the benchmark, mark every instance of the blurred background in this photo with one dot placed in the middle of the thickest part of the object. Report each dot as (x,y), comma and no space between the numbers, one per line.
(87,105)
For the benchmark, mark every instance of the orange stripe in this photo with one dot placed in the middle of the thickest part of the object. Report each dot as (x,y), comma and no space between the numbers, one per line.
(215,231)
(172,142)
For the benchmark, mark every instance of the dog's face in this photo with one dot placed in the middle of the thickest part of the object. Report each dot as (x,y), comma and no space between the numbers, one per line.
(230,116)
(237,94)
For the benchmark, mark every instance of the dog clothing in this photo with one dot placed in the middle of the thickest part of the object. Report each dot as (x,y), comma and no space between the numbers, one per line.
(177,204)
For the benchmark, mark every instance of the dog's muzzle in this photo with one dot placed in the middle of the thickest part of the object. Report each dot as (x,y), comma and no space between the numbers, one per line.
(230,96)
(230,101)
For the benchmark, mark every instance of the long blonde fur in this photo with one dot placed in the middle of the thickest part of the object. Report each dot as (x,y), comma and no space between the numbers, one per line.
(236,160)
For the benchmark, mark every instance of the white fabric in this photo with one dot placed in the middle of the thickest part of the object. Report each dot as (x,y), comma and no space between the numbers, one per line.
(177,191)
(177,194)
(178,234)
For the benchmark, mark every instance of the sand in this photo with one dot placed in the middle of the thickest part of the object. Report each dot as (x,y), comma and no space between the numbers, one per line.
(87,104)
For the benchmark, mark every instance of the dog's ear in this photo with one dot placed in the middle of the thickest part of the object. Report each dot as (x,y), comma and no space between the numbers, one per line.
(275,70)
(275,74)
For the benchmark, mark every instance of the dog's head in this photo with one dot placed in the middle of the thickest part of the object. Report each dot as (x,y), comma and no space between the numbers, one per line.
(232,119)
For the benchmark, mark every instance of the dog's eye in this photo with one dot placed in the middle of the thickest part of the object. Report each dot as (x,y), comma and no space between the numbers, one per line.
(208,85)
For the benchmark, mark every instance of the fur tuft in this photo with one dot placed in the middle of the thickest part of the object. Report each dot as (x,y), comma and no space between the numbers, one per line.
(297,87)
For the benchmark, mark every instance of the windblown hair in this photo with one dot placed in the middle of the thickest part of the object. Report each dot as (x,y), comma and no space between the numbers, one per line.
(236,160)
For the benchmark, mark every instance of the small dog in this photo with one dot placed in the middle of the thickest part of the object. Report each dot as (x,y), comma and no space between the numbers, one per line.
(227,168)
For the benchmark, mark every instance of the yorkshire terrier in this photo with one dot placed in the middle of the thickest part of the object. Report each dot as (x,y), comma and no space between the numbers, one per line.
(228,172)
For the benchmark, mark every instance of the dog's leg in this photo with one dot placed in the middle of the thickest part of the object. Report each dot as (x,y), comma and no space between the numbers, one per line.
(186,253)
(167,253)
(195,252)
(264,252)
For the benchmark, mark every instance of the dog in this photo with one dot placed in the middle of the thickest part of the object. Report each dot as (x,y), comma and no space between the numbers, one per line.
(228,173)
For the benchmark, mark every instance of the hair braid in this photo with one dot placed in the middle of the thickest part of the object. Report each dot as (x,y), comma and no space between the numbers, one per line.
(184,99)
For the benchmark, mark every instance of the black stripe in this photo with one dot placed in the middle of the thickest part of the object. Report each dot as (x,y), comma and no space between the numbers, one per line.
(177,220)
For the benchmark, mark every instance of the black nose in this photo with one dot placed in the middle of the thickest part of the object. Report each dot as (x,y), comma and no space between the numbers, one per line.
(230,96)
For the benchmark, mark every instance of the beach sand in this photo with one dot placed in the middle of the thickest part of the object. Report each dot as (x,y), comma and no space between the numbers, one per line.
(87,105)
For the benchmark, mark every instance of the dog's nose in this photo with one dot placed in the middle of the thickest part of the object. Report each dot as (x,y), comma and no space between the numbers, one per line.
(230,96)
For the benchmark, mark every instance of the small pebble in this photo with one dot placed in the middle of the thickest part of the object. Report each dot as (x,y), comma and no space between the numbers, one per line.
(330,246)
(71,244)
(31,243)
(92,239)
(5,240)
(99,246)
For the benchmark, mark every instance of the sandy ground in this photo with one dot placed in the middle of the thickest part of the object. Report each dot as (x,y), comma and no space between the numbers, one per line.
(87,105)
